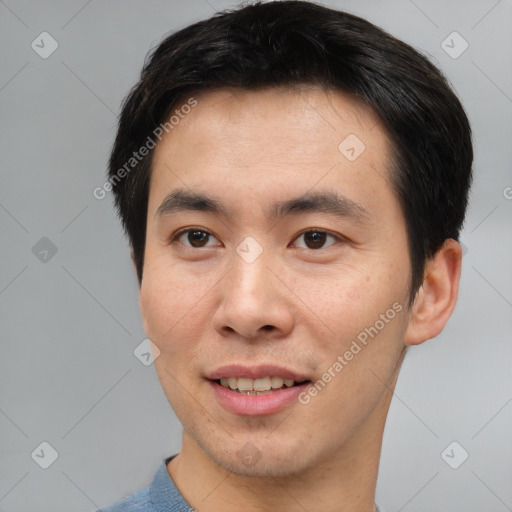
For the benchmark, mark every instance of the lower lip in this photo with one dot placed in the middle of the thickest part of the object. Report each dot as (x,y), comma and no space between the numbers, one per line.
(257,405)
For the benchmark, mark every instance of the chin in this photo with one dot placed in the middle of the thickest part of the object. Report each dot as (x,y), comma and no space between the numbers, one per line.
(261,461)
(263,468)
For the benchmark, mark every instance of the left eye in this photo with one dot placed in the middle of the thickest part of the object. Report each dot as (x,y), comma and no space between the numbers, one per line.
(315,239)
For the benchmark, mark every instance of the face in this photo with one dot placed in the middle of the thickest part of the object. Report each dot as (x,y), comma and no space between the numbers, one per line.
(275,248)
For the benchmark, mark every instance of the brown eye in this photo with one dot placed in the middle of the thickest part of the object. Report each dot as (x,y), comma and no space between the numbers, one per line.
(315,239)
(195,238)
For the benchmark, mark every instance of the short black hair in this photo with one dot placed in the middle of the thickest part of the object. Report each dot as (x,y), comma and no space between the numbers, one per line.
(294,43)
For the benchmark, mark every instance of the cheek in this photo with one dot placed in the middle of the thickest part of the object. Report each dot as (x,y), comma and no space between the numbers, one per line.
(344,301)
(174,306)
(158,306)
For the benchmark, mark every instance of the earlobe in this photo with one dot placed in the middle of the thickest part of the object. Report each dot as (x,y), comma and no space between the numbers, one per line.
(437,296)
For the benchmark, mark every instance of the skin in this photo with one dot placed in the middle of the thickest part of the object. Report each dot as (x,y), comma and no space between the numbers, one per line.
(204,307)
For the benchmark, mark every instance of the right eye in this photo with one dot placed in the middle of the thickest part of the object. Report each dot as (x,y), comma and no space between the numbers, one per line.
(193,237)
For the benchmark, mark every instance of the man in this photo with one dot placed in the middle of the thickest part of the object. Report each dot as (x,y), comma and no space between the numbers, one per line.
(292,181)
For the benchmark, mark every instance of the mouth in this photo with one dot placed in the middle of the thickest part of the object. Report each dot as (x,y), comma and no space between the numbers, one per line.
(257,387)
(246,397)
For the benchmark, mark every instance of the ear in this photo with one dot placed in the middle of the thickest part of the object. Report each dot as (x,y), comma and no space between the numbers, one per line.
(437,296)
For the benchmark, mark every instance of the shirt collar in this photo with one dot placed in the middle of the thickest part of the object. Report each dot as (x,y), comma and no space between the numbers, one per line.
(163,494)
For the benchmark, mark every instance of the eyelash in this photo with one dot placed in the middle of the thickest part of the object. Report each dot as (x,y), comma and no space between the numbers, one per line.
(174,238)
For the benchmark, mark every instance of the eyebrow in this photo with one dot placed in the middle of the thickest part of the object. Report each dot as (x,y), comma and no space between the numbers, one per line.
(329,202)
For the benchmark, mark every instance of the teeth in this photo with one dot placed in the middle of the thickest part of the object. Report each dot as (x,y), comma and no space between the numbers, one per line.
(263,384)
(245,384)
(259,385)
(277,382)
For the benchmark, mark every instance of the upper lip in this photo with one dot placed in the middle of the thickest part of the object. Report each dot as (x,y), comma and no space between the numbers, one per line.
(256,372)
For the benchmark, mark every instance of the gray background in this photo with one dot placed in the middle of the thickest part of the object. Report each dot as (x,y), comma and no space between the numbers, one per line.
(70,323)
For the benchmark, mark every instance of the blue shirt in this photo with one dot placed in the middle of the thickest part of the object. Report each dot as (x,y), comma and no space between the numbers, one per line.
(161,496)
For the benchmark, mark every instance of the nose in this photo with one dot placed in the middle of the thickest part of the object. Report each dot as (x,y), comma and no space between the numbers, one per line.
(254,302)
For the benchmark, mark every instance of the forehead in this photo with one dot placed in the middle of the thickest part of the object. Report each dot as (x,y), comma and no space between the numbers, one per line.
(271,140)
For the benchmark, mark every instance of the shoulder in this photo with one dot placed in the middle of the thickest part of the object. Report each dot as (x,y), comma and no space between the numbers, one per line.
(161,494)
(137,502)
